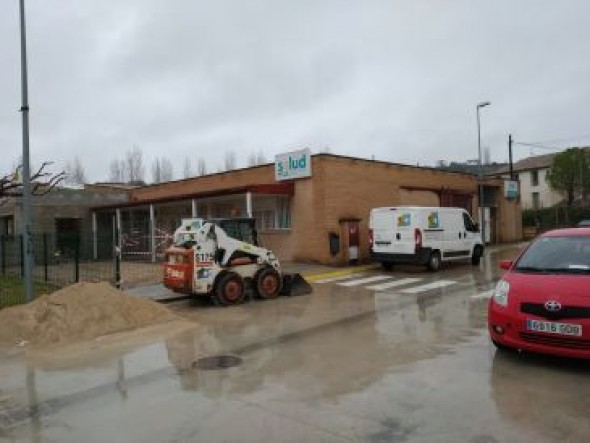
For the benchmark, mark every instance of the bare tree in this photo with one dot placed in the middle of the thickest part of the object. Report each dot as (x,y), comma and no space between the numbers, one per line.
(134,165)
(229,161)
(157,171)
(167,170)
(75,174)
(41,182)
(201,166)
(188,168)
(118,172)
(261,158)
(256,158)
(162,170)
(251,159)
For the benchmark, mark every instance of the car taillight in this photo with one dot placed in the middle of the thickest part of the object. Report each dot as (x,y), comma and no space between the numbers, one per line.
(417,239)
(371,238)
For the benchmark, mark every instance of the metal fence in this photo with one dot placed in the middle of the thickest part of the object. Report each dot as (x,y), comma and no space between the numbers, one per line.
(65,258)
(556,217)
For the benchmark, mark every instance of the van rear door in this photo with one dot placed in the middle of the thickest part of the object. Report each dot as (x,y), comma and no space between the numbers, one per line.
(393,230)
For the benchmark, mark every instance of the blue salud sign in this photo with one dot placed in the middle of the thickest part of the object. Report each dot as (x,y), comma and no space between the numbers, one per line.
(292,165)
(510,189)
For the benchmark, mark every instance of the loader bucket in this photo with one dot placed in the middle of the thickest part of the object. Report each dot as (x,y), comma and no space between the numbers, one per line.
(295,284)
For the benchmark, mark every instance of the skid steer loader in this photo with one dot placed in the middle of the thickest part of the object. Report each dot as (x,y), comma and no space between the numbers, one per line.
(221,258)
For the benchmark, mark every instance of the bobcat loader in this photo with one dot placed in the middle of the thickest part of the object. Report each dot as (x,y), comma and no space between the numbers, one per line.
(221,259)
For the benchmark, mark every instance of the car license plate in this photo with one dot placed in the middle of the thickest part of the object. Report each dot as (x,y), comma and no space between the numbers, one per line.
(550,327)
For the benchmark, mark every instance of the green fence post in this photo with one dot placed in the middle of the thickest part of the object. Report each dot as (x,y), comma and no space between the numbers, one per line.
(45,257)
(3,253)
(22,255)
(77,259)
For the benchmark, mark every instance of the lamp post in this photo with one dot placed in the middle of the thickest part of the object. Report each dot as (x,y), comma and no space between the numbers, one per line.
(480,164)
(26,198)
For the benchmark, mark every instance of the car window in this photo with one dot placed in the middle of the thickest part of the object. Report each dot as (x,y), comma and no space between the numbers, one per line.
(557,254)
(469,225)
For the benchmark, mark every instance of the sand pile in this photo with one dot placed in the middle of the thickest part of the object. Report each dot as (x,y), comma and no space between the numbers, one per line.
(82,311)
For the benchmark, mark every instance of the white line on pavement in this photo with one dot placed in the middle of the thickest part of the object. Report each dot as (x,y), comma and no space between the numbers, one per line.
(362,281)
(482,295)
(428,286)
(393,284)
(338,278)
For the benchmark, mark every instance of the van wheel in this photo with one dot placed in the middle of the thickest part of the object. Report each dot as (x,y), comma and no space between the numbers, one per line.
(386,265)
(434,263)
(476,257)
(229,290)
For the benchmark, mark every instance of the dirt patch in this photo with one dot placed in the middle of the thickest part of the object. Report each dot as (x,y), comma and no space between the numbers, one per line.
(83,311)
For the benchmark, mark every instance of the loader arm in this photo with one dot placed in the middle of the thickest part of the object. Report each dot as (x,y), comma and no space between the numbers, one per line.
(233,247)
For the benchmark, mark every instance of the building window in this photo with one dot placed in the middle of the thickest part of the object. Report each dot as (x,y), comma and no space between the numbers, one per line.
(534,178)
(272,213)
(265,220)
(536,200)
(8,226)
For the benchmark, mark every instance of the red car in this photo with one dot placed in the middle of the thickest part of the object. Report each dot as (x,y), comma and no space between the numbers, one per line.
(542,304)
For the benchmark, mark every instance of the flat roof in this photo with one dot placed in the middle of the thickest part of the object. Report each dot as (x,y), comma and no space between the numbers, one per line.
(284,188)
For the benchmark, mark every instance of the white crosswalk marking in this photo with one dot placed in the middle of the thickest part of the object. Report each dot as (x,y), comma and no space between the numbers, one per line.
(393,284)
(338,278)
(483,295)
(362,281)
(428,286)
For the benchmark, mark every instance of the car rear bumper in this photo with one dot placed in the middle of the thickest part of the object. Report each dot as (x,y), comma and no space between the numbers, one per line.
(419,258)
(515,336)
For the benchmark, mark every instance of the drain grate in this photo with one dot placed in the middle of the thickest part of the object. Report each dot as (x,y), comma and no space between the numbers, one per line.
(217,362)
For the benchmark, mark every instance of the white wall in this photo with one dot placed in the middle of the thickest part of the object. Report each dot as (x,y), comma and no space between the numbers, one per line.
(547,196)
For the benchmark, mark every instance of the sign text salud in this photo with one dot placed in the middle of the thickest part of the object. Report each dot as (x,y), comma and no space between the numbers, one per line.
(292,165)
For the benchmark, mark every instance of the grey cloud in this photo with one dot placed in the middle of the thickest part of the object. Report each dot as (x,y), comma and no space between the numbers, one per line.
(394,79)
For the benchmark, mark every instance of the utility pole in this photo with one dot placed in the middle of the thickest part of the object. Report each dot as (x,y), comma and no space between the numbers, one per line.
(481,174)
(510,163)
(26,198)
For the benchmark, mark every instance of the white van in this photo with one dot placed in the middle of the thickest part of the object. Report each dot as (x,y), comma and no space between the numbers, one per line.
(421,235)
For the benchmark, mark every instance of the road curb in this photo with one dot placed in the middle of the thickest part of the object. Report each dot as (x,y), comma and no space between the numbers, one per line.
(339,273)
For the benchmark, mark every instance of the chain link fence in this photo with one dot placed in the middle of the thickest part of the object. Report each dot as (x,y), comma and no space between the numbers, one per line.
(62,259)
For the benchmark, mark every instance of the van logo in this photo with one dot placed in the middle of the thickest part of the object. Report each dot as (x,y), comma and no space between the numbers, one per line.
(404,220)
(433,220)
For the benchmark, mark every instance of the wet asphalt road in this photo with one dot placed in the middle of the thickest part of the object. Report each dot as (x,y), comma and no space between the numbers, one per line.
(408,363)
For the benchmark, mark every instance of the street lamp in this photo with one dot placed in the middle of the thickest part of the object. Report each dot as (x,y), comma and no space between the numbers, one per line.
(480,164)
(26,198)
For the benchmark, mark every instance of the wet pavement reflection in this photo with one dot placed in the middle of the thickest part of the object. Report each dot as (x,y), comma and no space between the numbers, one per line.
(344,364)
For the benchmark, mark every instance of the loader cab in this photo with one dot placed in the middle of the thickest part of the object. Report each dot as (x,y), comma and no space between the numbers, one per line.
(243,229)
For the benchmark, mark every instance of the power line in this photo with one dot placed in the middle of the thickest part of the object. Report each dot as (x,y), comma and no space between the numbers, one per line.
(560,140)
(536,145)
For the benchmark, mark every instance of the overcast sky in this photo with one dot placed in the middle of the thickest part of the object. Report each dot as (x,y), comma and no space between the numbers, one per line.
(395,79)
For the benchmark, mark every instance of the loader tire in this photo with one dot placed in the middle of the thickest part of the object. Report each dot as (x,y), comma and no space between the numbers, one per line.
(229,290)
(268,283)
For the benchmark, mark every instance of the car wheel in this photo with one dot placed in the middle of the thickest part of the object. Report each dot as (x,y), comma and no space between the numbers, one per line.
(229,290)
(387,266)
(434,263)
(500,346)
(476,257)
(268,283)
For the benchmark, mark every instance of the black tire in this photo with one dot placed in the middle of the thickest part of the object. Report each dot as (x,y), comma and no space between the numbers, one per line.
(434,262)
(387,265)
(229,290)
(476,257)
(268,283)
(500,346)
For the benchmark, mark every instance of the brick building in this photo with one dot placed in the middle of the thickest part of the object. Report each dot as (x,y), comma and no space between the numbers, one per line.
(313,218)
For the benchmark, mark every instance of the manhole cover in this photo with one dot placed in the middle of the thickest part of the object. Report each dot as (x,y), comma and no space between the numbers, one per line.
(218,362)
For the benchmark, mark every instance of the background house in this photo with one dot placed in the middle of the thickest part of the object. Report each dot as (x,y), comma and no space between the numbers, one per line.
(531,172)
